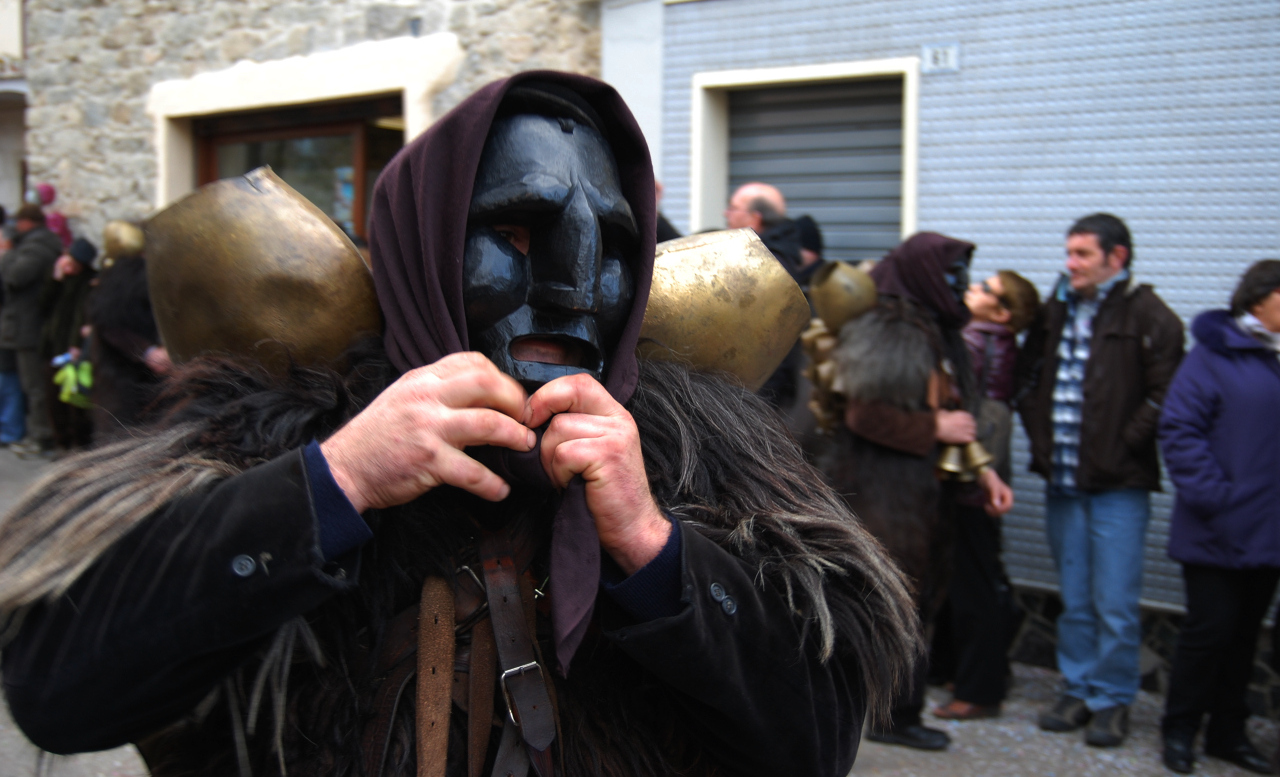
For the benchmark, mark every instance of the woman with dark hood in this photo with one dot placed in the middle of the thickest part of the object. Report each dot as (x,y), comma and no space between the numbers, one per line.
(907,387)
(751,638)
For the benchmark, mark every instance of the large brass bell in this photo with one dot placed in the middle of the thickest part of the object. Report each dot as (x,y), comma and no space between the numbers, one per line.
(720,301)
(841,292)
(249,267)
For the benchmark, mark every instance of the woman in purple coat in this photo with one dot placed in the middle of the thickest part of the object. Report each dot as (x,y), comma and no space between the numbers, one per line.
(1220,435)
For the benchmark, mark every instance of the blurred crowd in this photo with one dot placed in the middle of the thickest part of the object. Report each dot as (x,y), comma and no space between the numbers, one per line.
(80,357)
(910,416)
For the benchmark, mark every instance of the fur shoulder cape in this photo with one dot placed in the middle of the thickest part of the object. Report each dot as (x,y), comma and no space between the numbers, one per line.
(716,456)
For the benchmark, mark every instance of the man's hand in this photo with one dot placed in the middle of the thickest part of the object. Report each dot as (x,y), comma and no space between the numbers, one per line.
(593,436)
(999,495)
(956,427)
(410,438)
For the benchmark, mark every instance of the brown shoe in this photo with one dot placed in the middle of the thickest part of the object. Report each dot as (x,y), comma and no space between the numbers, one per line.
(963,710)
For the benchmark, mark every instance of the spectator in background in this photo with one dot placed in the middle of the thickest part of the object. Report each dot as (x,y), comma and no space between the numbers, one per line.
(128,360)
(763,208)
(13,407)
(64,302)
(1220,435)
(24,268)
(665,230)
(1094,370)
(810,249)
(977,624)
(53,219)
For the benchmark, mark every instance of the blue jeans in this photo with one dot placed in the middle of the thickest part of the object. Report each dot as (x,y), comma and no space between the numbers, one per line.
(1097,541)
(13,408)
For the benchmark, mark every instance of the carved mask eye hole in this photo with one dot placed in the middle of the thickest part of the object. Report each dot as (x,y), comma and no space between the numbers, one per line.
(516,235)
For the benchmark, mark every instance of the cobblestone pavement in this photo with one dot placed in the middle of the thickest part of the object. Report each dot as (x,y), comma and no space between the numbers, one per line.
(1009,746)
(1012,745)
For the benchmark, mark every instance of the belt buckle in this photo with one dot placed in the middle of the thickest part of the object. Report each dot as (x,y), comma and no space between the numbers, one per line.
(516,672)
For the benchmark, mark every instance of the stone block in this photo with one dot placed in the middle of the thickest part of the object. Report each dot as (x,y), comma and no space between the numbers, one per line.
(383,21)
(119,36)
(518,48)
(124,113)
(237,45)
(94,113)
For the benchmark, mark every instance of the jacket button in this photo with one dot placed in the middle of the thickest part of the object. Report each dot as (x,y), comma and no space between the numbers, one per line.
(729,605)
(717,592)
(243,565)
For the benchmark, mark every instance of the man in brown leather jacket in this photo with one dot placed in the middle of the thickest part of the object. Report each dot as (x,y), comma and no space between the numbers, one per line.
(1094,370)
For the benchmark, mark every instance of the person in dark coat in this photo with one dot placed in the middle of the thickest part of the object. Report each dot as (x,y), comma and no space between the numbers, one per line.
(1220,436)
(13,406)
(128,359)
(65,302)
(717,609)
(24,269)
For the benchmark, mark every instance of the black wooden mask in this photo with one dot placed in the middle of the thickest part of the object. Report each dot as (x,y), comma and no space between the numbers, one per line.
(547,282)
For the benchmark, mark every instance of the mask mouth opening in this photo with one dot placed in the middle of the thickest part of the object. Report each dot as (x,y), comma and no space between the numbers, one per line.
(559,350)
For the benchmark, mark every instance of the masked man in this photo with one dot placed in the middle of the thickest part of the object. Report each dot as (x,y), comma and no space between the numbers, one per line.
(744,623)
(908,389)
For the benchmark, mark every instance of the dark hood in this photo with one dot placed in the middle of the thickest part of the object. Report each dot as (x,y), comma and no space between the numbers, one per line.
(1218,331)
(418,223)
(916,270)
(417,235)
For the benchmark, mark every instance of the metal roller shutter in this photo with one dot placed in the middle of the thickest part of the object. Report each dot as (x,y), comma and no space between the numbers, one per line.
(835,152)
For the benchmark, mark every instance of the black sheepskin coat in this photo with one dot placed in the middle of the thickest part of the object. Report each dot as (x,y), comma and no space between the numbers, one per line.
(824,610)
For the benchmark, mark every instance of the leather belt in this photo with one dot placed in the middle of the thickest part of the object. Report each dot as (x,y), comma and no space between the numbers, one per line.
(523,681)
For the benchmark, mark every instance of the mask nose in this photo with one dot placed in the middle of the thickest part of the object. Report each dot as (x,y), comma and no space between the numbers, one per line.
(565,264)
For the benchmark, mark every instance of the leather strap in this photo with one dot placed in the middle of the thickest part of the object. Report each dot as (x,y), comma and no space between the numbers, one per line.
(435,676)
(483,672)
(513,758)
(522,681)
(392,674)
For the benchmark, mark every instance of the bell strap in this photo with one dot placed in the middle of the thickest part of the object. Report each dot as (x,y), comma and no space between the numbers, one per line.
(522,681)
(480,688)
(513,756)
(393,672)
(435,675)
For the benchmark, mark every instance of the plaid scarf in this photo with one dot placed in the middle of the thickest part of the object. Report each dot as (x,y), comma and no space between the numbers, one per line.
(1068,388)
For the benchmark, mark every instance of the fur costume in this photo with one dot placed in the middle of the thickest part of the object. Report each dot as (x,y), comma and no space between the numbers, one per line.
(297,698)
(887,357)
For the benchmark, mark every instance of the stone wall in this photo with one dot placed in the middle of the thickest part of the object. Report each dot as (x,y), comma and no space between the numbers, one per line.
(91,64)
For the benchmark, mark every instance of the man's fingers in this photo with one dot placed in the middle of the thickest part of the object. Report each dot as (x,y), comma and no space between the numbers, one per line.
(572,426)
(470,380)
(482,426)
(573,457)
(458,469)
(571,394)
